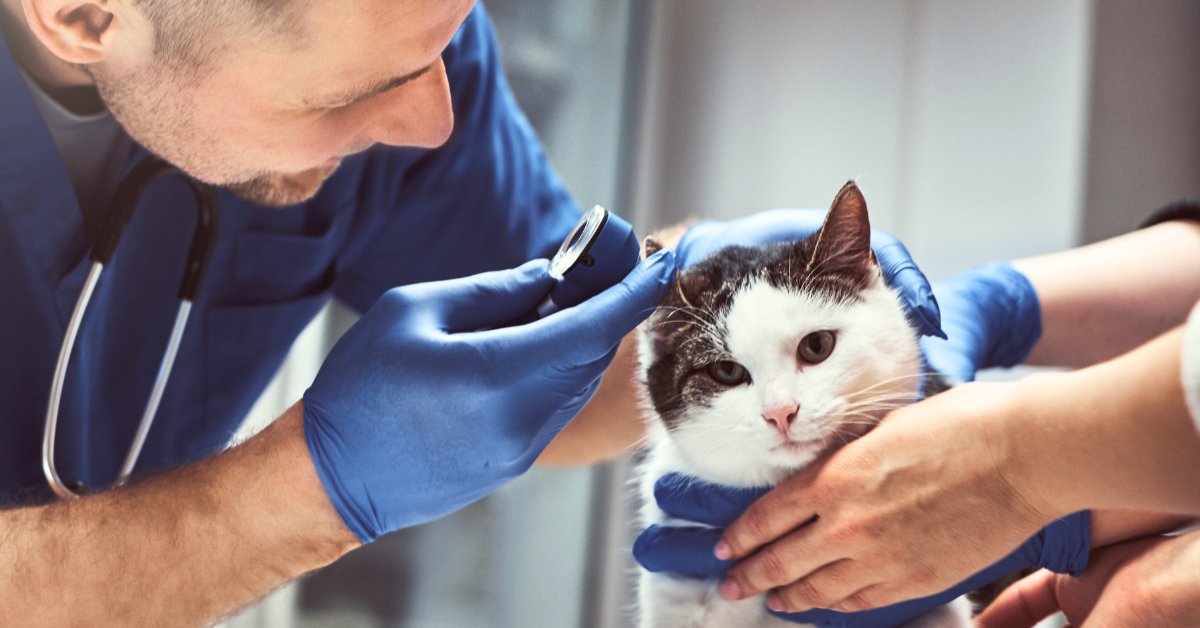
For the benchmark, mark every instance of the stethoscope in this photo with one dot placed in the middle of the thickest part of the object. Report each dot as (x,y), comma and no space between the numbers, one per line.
(104,245)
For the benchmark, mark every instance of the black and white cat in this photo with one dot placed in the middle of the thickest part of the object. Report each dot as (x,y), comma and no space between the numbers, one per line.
(756,363)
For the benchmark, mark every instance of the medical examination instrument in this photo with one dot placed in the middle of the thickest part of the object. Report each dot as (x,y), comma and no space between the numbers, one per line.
(429,401)
(104,245)
(599,251)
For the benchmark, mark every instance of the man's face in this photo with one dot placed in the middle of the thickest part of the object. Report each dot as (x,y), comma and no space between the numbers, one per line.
(275,116)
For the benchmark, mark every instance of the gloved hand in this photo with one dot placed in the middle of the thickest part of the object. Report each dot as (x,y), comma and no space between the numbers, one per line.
(786,225)
(991,316)
(429,402)
(1061,546)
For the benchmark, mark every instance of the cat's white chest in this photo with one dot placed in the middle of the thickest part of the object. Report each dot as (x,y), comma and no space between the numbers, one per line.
(665,601)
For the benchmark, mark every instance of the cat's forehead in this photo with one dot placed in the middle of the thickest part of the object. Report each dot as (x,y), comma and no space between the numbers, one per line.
(761,314)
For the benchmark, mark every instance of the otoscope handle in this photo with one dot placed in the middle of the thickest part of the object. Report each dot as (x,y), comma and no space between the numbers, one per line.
(603,263)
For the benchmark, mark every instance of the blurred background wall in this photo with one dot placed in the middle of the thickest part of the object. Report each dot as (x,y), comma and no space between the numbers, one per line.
(978,130)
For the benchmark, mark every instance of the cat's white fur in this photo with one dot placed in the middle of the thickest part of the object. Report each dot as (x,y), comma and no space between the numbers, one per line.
(875,365)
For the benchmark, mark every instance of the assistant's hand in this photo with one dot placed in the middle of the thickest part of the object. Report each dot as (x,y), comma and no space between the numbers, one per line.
(1148,582)
(912,508)
(991,316)
(787,225)
(429,402)
(688,550)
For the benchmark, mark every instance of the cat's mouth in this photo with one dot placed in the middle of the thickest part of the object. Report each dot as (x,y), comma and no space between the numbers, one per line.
(810,446)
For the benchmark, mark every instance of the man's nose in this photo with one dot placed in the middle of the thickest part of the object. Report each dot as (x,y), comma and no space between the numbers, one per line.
(418,114)
(782,416)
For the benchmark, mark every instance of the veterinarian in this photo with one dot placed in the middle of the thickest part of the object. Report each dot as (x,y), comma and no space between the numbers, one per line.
(948,486)
(375,155)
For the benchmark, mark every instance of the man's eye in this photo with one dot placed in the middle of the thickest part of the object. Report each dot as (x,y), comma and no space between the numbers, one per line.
(728,373)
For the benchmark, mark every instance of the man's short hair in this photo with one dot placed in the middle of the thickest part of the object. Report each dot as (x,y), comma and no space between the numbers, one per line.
(191,34)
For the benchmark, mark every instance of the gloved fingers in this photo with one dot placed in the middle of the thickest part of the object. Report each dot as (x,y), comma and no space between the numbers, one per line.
(901,272)
(547,427)
(776,225)
(684,497)
(697,242)
(685,551)
(949,357)
(491,299)
(823,588)
(579,335)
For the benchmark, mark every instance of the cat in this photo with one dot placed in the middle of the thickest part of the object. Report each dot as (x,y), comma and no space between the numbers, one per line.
(757,362)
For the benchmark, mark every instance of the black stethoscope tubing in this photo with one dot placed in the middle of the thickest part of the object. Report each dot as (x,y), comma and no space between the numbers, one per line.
(104,246)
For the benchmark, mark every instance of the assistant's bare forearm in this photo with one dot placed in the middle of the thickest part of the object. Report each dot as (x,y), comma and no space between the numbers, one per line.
(1104,299)
(1116,435)
(183,549)
(1115,526)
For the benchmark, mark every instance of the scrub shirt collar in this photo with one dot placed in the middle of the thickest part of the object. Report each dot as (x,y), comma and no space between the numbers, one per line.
(36,194)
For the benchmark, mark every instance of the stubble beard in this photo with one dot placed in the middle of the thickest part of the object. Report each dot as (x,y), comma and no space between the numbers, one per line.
(153,110)
(282,190)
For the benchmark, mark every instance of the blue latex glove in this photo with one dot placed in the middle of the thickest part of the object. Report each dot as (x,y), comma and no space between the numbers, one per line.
(991,316)
(787,225)
(429,403)
(1061,546)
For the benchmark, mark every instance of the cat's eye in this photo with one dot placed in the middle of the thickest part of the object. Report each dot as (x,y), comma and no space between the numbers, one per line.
(816,347)
(728,373)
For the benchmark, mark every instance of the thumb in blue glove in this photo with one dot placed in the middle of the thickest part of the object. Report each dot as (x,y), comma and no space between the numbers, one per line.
(429,403)
(1062,547)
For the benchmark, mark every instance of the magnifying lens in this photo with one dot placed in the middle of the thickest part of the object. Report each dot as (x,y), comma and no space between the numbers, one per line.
(597,255)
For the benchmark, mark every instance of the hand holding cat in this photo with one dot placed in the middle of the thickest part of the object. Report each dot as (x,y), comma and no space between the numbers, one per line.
(786,225)
(1148,582)
(905,512)
(432,400)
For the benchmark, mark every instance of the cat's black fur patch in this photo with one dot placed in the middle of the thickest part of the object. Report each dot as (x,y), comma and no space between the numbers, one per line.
(836,264)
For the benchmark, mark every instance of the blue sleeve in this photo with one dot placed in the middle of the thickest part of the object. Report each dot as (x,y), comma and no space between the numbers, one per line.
(487,199)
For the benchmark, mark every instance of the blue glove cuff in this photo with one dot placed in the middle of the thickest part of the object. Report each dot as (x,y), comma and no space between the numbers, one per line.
(992,316)
(1013,336)
(317,432)
(1066,543)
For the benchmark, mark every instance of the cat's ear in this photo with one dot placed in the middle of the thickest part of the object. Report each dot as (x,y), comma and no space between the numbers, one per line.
(688,292)
(844,243)
(650,246)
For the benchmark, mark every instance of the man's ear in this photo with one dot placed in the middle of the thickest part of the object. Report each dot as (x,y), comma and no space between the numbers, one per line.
(76,31)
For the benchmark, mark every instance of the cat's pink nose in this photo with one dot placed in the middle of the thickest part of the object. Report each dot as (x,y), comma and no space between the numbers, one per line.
(781,417)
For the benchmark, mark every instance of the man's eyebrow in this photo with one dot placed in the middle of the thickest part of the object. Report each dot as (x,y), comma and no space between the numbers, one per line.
(373,89)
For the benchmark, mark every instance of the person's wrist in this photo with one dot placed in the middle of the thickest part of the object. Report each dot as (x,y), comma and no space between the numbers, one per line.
(1039,445)
(310,518)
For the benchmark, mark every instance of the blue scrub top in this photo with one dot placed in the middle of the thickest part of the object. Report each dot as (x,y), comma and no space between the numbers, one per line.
(485,200)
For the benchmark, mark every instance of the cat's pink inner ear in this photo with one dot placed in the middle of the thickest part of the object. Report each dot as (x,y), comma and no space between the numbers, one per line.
(845,238)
